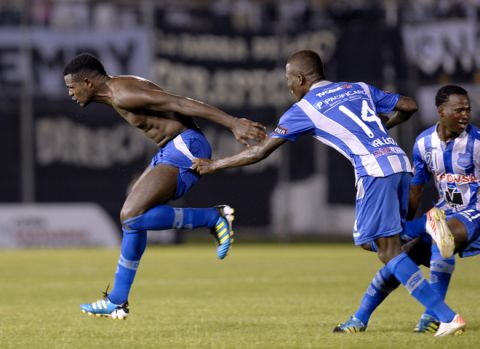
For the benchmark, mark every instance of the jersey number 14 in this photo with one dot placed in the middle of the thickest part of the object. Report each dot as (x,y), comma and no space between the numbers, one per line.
(368,115)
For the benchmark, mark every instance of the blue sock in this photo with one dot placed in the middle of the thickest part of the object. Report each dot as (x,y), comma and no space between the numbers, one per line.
(408,273)
(133,246)
(383,283)
(165,217)
(441,270)
(416,227)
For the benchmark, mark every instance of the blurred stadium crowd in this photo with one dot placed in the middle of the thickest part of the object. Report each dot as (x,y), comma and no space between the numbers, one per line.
(252,15)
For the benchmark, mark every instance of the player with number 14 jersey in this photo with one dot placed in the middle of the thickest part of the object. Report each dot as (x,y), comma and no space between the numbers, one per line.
(344,116)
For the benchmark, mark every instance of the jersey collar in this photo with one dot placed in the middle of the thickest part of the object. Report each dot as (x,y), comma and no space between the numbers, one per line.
(320,83)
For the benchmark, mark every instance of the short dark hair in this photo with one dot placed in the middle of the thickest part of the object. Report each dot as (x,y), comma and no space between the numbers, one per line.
(309,62)
(82,63)
(445,91)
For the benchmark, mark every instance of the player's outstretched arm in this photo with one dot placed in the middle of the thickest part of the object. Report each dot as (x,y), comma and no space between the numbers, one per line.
(243,129)
(404,109)
(248,156)
(143,96)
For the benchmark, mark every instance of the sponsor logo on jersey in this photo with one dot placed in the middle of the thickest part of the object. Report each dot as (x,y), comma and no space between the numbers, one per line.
(349,95)
(378,142)
(326,92)
(388,150)
(453,196)
(280,130)
(347,86)
(456,178)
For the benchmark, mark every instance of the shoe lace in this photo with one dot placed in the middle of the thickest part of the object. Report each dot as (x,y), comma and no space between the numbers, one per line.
(105,293)
(105,297)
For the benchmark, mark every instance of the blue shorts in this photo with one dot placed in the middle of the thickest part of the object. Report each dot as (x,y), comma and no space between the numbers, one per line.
(471,220)
(381,206)
(469,217)
(179,152)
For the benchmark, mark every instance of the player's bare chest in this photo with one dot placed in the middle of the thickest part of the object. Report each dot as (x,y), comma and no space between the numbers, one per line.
(136,119)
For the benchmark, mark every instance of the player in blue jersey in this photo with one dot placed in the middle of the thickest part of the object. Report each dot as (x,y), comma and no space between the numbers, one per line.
(167,120)
(449,152)
(344,115)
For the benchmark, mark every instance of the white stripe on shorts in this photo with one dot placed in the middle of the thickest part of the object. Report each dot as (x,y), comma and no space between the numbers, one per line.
(182,147)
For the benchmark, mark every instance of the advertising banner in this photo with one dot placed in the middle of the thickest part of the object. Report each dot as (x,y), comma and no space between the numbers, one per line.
(41,54)
(443,46)
(233,71)
(56,225)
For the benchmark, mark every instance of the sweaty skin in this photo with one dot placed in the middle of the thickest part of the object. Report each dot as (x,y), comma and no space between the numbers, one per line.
(159,114)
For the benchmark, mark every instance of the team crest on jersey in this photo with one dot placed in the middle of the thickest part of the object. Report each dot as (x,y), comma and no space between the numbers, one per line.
(280,130)
(347,86)
(429,160)
(453,196)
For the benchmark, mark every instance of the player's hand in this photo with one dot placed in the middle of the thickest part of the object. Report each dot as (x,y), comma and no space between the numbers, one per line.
(203,166)
(246,130)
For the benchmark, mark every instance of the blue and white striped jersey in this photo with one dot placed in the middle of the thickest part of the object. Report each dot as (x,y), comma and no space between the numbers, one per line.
(455,167)
(344,116)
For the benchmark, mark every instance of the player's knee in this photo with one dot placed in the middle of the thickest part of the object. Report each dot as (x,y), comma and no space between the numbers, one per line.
(388,248)
(128,212)
(133,224)
(386,254)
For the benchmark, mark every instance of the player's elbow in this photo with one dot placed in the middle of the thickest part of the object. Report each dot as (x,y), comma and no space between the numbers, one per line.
(408,105)
(412,106)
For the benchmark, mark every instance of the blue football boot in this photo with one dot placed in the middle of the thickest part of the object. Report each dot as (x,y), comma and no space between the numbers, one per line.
(223,231)
(352,325)
(427,324)
(105,308)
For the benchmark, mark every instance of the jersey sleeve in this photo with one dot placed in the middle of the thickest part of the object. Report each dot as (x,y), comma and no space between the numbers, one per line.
(384,101)
(293,124)
(421,174)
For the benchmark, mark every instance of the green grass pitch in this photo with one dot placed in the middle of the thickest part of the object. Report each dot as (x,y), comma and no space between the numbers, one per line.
(261,296)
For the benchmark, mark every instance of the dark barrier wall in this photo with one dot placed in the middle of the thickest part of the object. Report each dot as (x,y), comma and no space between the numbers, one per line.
(10,177)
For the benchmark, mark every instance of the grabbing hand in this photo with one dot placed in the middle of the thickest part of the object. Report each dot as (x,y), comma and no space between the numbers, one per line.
(246,130)
(203,166)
